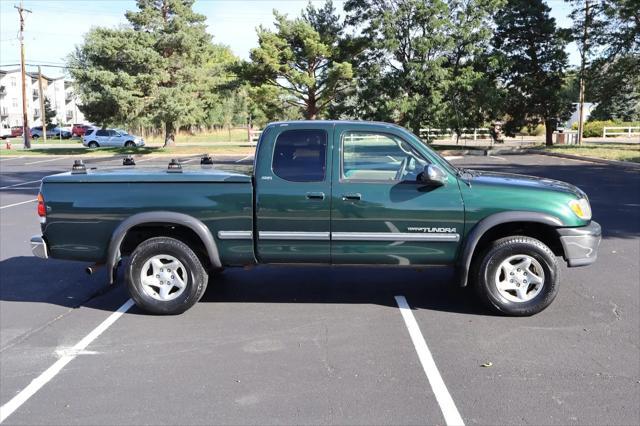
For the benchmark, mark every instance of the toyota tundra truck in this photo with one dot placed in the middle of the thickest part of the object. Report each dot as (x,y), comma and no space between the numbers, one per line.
(320,193)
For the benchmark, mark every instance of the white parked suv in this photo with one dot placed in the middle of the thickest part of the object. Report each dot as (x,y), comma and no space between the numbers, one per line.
(95,138)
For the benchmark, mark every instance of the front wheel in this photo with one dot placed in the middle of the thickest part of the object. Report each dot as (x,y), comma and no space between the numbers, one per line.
(129,144)
(517,276)
(165,276)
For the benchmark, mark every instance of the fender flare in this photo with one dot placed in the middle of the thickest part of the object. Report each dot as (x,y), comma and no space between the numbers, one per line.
(113,253)
(471,240)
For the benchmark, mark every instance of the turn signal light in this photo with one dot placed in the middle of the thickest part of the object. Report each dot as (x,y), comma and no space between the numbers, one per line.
(42,210)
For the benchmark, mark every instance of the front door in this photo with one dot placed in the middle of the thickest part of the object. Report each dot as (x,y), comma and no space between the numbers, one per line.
(381,213)
(293,190)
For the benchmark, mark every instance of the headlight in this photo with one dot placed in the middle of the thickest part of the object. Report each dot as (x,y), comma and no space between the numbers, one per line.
(581,208)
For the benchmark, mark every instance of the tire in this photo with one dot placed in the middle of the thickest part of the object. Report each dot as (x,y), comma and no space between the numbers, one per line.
(35,137)
(93,145)
(184,291)
(129,144)
(507,285)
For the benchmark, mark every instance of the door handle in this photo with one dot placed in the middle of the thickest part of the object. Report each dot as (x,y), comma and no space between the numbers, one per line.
(315,195)
(351,197)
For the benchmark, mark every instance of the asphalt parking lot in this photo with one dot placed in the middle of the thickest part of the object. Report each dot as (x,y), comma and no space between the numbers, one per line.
(301,345)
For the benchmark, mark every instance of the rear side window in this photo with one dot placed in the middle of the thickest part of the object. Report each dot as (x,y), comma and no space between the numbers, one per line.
(88,132)
(102,132)
(301,155)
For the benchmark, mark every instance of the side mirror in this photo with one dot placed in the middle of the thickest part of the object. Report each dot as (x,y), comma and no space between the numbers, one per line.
(433,175)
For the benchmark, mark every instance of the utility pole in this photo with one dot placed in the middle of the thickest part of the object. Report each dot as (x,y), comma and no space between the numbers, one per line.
(583,65)
(42,115)
(25,119)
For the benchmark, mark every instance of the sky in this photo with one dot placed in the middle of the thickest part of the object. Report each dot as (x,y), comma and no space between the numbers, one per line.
(55,27)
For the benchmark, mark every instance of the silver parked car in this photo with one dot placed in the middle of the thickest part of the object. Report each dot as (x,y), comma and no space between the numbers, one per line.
(94,138)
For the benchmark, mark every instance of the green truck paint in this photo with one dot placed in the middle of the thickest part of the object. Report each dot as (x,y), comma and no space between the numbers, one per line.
(321,192)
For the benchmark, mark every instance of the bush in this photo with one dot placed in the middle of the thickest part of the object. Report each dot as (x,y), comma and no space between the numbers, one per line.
(594,129)
(539,130)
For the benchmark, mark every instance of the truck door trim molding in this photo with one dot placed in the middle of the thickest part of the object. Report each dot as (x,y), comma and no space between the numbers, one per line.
(159,217)
(393,236)
(235,235)
(288,235)
(471,240)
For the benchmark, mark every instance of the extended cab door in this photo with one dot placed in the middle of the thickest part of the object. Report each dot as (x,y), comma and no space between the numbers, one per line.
(381,213)
(293,191)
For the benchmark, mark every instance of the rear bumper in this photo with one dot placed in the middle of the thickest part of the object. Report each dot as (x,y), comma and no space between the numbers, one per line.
(581,244)
(39,247)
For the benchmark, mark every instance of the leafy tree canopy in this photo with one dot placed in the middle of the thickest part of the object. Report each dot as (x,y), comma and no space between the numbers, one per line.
(159,70)
(299,63)
(532,63)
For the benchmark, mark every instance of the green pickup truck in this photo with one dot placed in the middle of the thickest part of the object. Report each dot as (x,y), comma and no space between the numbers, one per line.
(321,192)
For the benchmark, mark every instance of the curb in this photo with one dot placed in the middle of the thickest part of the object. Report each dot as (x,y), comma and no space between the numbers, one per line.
(625,164)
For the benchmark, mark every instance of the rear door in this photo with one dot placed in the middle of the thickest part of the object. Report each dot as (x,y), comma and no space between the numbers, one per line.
(293,193)
(102,137)
(114,138)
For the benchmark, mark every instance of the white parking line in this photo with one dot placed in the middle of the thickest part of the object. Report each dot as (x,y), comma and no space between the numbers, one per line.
(23,396)
(245,158)
(146,159)
(185,161)
(44,161)
(17,204)
(447,406)
(12,158)
(499,158)
(20,184)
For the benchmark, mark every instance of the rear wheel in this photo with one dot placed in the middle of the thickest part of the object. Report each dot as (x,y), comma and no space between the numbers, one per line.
(93,144)
(517,276)
(165,276)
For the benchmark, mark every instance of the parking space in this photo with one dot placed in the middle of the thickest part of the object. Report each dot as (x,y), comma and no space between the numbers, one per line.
(321,345)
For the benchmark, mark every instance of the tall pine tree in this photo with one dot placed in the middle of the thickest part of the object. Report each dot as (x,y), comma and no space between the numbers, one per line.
(153,72)
(299,62)
(532,62)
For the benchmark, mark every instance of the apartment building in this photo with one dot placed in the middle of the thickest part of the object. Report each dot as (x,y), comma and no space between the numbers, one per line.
(57,90)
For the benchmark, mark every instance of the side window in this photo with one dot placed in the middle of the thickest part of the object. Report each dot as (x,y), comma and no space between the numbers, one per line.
(102,132)
(379,157)
(301,155)
(113,133)
(88,132)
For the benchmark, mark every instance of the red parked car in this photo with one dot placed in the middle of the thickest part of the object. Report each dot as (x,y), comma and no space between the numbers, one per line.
(16,131)
(79,129)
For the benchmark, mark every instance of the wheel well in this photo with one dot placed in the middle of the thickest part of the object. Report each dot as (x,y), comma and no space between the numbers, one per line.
(544,233)
(140,233)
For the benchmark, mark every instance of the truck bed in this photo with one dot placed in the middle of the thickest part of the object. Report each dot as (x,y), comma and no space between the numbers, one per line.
(84,209)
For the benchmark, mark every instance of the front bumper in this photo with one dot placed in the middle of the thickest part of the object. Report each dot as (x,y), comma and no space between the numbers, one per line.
(39,247)
(581,244)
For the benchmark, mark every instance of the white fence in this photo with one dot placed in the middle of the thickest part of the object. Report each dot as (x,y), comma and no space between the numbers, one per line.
(253,136)
(627,131)
(430,134)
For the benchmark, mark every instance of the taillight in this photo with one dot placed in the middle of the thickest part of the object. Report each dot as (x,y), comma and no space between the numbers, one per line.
(42,210)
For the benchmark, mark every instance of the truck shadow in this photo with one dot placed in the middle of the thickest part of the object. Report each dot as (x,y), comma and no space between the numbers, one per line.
(32,280)
(425,288)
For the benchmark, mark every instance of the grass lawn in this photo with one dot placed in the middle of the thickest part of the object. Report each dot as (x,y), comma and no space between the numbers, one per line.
(17,142)
(607,151)
(177,150)
(234,135)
